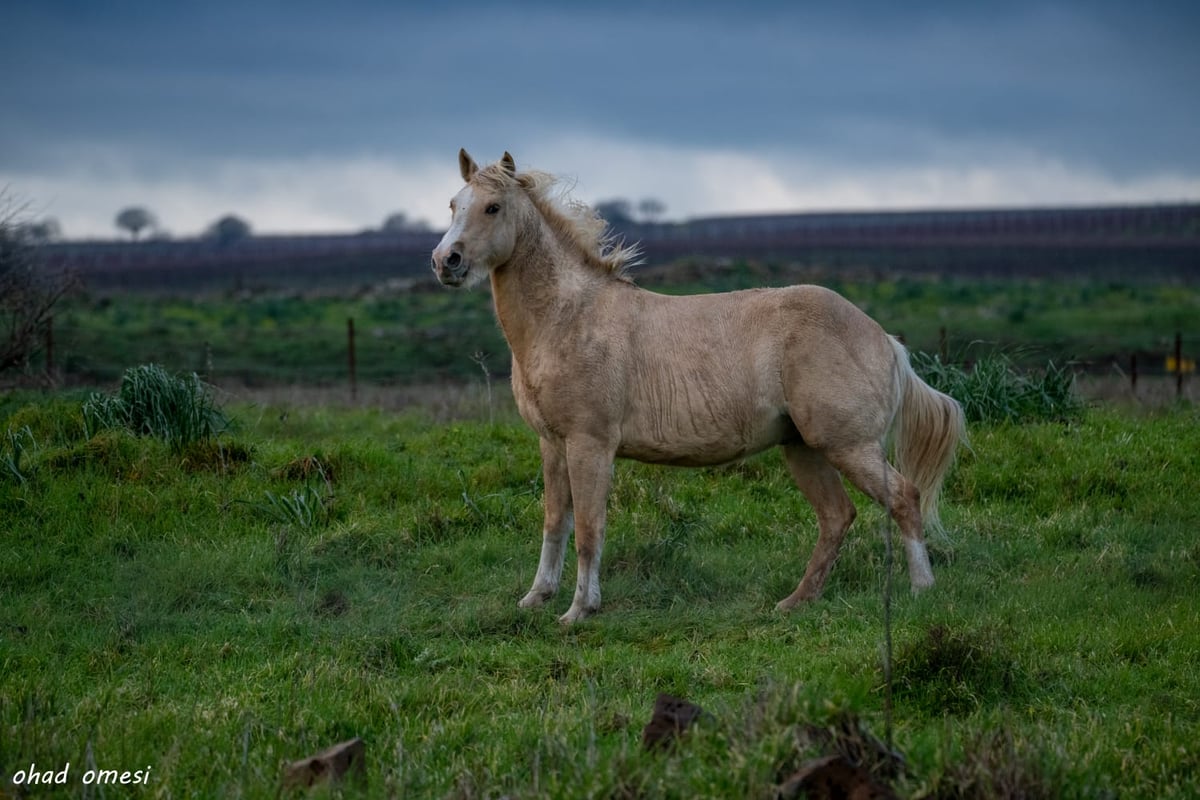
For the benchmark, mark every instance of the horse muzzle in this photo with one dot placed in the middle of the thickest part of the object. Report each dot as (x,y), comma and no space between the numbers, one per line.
(450,267)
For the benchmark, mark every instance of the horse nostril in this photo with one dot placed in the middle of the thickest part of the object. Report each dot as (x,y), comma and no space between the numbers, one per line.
(453,260)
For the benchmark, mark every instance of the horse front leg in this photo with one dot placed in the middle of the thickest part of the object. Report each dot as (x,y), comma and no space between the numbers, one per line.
(589,462)
(557,525)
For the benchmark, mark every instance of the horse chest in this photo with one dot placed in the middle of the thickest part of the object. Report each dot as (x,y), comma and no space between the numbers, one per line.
(557,402)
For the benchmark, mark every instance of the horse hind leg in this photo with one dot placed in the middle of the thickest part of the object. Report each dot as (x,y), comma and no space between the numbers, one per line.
(822,485)
(867,468)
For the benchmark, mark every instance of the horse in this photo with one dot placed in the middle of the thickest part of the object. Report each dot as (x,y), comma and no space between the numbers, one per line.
(603,369)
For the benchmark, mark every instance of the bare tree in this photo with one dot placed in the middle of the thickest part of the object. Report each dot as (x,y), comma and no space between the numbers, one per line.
(28,292)
(135,219)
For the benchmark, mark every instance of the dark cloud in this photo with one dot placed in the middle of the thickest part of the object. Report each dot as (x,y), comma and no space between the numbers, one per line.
(1106,86)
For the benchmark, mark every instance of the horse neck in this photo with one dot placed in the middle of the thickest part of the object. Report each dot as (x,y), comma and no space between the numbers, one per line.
(544,276)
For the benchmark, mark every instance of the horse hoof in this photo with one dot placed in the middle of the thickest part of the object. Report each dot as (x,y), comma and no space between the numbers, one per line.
(574,615)
(532,600)
(791,601)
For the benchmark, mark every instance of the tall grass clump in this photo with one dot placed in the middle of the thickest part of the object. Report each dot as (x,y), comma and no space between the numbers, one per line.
(305,508)
(179,409)
(995,391)
(12,447)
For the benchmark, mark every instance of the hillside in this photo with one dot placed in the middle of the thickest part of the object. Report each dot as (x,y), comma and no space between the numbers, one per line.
(1160,240)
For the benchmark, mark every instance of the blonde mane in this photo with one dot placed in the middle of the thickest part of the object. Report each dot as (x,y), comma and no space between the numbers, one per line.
(575,221)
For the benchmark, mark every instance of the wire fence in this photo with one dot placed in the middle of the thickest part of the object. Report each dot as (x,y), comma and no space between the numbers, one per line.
(1148,375)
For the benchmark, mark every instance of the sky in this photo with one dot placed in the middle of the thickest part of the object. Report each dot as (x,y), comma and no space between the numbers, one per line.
(328,117)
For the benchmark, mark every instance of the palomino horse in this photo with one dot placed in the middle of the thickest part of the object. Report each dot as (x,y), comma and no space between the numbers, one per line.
(602,369)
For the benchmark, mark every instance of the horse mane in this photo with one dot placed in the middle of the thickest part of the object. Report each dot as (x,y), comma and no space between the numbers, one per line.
(576,221)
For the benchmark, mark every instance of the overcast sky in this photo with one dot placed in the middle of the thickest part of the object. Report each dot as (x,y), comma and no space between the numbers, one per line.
(316,116)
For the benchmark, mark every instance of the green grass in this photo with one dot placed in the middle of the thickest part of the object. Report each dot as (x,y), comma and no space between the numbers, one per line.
(426,336)
(405,338)
(159,610)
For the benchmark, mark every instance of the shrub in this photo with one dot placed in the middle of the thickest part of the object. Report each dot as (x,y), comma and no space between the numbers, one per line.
(179,409)
(993,390)
(29,291)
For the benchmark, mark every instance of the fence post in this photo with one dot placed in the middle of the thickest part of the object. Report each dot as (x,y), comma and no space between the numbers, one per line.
(353,362)
(50,347)
(1178,364)
(1133,373)
(942,346)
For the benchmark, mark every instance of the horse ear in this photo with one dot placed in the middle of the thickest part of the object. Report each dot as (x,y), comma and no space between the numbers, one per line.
(466,165)
(509,165)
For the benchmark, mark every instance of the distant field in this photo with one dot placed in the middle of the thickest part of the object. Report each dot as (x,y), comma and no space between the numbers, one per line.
(203,615)
(430,335)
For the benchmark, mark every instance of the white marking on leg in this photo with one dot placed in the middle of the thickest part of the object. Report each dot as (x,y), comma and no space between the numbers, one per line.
(920,573)
(587,591)
(550,566)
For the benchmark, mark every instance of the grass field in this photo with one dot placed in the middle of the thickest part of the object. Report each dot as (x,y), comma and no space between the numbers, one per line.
(203,614)
(425,336)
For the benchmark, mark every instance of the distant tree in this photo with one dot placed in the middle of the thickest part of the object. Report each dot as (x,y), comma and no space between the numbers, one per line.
(229,229)
(617,211)
(651,209)
(400,223)
(395,223)
(28,292)
(39,231)
(135,219)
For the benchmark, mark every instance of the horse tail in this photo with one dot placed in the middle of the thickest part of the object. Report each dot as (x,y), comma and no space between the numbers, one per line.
(928,428)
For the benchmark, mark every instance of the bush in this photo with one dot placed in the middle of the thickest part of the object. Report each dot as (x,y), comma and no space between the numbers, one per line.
(993,390)
(28,292)
(179,409)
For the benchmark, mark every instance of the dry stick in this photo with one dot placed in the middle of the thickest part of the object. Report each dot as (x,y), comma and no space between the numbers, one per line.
(480,358)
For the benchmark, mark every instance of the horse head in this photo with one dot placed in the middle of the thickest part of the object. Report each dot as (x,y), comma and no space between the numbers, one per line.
(483,222)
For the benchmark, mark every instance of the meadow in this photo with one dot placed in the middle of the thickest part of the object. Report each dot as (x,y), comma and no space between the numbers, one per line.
(202,611)
(428,334)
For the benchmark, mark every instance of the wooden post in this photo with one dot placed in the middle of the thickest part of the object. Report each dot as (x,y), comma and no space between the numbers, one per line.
(352,360)
(942,347)
(1133,373)
(50,347)
(1178,364)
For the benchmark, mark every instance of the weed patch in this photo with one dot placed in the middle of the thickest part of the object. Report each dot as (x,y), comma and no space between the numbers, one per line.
(115,453)
(995,764)
(957,671)
(178,409)
(221,456)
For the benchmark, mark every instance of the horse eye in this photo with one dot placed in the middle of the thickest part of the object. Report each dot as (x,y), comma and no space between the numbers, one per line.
(494,208)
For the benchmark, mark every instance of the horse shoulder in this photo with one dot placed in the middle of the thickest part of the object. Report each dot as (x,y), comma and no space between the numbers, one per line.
(572,376)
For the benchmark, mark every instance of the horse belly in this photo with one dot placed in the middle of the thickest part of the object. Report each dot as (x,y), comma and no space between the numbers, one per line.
(702,432)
